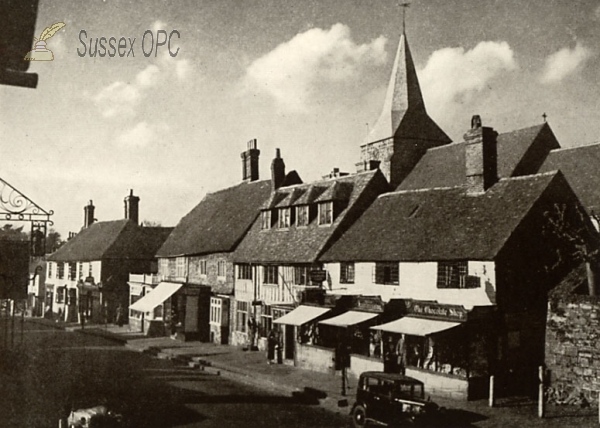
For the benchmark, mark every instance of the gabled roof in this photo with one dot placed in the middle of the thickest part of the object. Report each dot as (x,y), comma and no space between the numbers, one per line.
(305,244)
(118,239)
(218,222)
(520,152)
(442,223)
(581,167)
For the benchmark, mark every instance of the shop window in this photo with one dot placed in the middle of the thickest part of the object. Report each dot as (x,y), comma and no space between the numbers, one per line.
(72,271)
(50,270)
(326,213)
(454,274)
(60,270)
(301,275)
(242,316)
(265,217)
(270,274)
(216,310)
(302,218)
(386,273)
(285,218)
(60,294)
(266,321)
(221,268)
(347,273)
(244,271)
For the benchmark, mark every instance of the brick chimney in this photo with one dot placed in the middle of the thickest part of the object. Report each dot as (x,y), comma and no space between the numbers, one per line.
(250,162)
(88,215)
(277,171)
(132,207)
(481,156)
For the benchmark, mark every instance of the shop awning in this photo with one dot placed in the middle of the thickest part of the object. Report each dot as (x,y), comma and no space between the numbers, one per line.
(349,318)
(416,326)
(301,315)
(157,296)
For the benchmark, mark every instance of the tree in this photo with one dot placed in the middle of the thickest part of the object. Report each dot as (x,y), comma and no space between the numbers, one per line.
(7,232)
(577,238)
(53,241)
(151,223)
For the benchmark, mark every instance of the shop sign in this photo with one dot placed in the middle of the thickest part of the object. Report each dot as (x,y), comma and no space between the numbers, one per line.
(438,310)
(318,275)
(369,303)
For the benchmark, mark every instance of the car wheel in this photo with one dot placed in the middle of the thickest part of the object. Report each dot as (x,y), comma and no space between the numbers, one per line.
(359,417)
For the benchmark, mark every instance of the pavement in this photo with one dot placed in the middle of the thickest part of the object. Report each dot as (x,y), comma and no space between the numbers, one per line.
(252,368)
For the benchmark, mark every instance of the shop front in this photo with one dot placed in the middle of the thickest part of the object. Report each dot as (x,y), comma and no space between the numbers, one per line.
(447,347)
(297,337)
(152,310)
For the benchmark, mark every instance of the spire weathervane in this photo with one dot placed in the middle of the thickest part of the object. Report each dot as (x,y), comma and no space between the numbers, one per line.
(544,116)
(404,6)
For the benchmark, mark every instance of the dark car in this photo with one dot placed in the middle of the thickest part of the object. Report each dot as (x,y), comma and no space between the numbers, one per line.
(394,400)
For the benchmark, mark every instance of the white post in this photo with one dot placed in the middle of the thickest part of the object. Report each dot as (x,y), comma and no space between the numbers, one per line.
(541,392)
(491,396)
(61,423)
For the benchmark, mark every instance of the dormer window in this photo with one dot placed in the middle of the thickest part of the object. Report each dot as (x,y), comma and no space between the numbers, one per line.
(265,219)
(302,218)
(326,212)
(285,218)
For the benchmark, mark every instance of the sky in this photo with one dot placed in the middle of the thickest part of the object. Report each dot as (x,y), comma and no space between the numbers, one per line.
(306,77)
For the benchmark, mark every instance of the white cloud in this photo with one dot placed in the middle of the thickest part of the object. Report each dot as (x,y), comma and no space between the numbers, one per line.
(564,63)
(453,75)
(182,68)
(141,135)
(293,70)
(117,98)
(148,76)
(597,12)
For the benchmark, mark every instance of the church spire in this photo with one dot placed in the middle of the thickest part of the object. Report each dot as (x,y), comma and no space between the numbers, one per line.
(403,93)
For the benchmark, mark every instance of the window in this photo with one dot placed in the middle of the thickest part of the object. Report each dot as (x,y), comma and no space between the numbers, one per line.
(172,272)
(301,275)
(202,267)
(285,218)
(90,272)
(80,271)
(60,294)
(216,310)
(270,274)
(266,321)
(386,273)
(221,268)
(265,219)
(50,270)
(242,316)
(72,271)
(347,273)
(454,274)
(326,212)
(244,271)
(163,267)
(302,215)
(60,270)
(180,267)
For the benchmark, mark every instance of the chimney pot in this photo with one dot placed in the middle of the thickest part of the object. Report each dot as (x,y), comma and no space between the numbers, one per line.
(250,162)
(88,214)
(132,206)
(277,171)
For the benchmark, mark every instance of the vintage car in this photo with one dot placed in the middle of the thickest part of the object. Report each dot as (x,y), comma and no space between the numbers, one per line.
(392,399)
(93,417)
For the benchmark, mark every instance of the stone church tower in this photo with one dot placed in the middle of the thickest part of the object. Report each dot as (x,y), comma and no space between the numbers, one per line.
(404,131)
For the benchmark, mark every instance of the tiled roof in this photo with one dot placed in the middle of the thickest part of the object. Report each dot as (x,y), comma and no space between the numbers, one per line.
(118,239)
(441,224)
(305,244)
(219,221)
(581,167)
(520,152)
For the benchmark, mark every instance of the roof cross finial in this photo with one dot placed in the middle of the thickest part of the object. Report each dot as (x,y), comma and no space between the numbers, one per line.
(404,6)
(544,116)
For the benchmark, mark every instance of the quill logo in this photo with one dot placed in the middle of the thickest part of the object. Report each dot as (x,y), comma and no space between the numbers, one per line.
(40,52)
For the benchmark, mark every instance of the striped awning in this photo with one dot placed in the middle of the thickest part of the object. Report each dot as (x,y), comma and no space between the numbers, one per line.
(349,318)
(156,297)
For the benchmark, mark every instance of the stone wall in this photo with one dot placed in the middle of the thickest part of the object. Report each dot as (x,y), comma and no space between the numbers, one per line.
(573,349)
